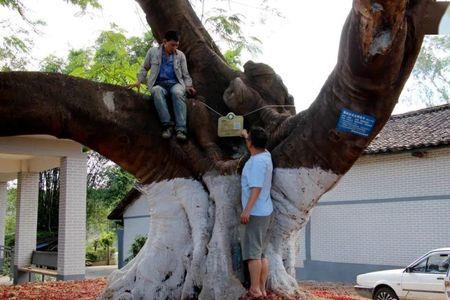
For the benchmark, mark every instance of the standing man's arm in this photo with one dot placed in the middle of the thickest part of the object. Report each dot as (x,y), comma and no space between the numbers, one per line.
(186,77)
(254,194)
(142,75)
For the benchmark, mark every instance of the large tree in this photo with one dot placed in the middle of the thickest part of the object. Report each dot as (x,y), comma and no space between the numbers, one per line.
(194,207)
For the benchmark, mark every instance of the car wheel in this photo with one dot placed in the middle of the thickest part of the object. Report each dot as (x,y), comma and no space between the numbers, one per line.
(385,293)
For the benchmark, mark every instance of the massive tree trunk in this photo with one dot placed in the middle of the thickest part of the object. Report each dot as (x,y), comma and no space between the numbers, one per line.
(194,209)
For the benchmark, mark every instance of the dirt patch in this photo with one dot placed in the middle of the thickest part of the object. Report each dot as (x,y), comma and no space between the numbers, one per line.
(317,291)
(327,290)
(54,290)
(90,289)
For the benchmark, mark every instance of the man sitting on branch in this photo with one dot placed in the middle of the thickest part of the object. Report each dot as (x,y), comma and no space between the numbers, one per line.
(169,76)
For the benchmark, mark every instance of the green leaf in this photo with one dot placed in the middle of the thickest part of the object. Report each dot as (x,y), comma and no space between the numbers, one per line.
(432,71)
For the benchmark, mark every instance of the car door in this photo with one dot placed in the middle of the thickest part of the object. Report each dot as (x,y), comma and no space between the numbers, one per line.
(425,279)
(447,284)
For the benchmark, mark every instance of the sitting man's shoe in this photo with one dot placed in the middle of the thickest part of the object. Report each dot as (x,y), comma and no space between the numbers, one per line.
(167,133)
(181,136)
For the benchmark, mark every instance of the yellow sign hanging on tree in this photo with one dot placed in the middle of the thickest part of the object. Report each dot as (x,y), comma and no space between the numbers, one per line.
(230,125)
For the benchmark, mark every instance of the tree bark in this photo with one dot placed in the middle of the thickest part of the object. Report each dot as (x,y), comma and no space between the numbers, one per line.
(194,210)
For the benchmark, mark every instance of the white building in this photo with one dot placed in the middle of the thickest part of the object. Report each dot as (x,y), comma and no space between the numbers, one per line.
(23,157)
(390,208)
(133,214)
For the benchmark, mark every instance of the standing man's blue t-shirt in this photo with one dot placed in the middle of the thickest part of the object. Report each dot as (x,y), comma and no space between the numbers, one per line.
(257,173)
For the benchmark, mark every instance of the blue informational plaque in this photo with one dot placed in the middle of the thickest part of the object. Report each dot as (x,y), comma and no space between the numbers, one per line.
(356,123)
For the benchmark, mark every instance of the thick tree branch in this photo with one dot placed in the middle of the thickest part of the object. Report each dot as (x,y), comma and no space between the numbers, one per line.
(117,123)
(379,46)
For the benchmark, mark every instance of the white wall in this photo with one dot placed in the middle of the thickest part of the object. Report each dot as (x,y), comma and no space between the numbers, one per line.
(136,222)
(393,232)
(379,234)
(395,175)
(301,250)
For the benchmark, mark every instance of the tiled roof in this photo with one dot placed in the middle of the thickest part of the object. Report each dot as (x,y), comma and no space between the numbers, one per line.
(429,127)
(117,213)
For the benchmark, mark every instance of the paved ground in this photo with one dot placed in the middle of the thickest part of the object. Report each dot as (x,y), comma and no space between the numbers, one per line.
(4,280)
(99,271)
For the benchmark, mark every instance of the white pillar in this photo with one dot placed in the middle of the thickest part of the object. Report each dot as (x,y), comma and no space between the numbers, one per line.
(72,218)
(26,222)
(3,207)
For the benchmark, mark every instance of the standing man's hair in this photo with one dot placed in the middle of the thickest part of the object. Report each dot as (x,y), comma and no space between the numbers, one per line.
(172,35)
(258,137)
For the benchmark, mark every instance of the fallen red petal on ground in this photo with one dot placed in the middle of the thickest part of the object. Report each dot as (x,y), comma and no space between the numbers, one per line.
(59,290)
(90,289)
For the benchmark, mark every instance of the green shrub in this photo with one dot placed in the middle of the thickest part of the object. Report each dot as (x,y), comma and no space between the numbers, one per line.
(10,240)
(137,245)
(91,255)
(100,248)
(6,270)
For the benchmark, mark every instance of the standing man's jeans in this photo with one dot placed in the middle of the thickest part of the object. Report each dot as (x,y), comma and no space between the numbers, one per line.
(178,95)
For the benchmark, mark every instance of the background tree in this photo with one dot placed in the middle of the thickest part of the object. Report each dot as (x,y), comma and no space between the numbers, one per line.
(16,44)
(194,209)
(48,203)
(106,241)
(10,224)
(431,84)
(113,59)
(103,197)
(10,216)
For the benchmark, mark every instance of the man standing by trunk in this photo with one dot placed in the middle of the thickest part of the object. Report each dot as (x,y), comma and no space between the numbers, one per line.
(256,182)
(169,75)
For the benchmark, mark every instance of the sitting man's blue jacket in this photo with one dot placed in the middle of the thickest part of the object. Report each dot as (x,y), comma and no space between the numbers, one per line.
(153,62)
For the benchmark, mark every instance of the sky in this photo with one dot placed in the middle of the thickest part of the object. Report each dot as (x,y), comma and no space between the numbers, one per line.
(301,45)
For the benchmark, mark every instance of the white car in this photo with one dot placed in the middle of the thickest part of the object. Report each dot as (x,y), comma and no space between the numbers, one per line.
(424,279)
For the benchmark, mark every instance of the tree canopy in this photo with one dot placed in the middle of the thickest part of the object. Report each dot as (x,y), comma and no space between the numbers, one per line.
(431,82)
